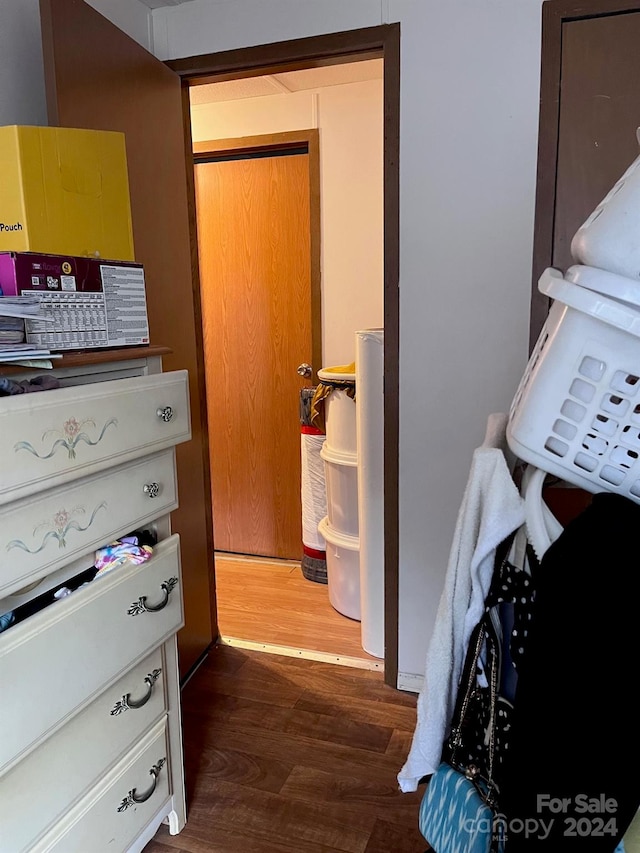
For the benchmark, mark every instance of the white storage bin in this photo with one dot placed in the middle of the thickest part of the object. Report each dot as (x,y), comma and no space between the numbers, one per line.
(576,413)
(617,287)
(609,237)
(339,412)
(341,478)
(343,570)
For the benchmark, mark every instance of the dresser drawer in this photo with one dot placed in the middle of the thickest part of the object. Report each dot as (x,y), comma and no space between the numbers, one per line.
(61,658)
(53,437)
(116,810)
(41,788)
(43,533)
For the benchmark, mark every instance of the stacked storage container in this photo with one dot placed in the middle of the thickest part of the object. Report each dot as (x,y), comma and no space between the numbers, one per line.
(340,527)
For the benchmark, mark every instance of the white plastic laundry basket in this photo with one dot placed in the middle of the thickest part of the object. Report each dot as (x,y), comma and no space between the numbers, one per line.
(610,284)
(609,237)
(576,413)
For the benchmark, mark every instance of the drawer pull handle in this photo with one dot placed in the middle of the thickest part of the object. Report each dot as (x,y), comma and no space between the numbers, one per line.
(151,490)
(127,702)
(133,797)
(165,413)
(141,606)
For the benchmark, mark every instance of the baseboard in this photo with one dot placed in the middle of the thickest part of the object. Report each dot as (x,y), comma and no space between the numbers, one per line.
(305,654)
(409,682)
(196,666)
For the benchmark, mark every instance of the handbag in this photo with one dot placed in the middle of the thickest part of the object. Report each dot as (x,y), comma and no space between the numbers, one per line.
(459,808)
(510,598)
(488,715)
(454,817)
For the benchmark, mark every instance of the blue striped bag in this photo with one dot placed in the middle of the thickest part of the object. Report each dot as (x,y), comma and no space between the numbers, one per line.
(454,818)
(457,809)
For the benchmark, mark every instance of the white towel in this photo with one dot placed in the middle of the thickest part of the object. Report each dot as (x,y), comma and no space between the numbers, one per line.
(491,510)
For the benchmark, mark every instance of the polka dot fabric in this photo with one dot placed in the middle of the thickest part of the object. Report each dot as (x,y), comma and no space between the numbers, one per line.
(507,618)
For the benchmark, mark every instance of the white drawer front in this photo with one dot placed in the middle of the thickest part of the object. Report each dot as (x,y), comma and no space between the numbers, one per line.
(53,437)
(113,814)
(39,535)
(42,787)
(75,647)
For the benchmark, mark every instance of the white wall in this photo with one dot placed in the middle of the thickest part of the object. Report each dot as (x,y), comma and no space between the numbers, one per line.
(349,118)
(22,92)
(468,140)
(22,96)
(469,110)
(253,116)
(131,16)
(351,127)
(205,26)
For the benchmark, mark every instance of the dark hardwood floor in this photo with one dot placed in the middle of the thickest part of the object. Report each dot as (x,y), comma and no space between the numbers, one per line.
(284,755)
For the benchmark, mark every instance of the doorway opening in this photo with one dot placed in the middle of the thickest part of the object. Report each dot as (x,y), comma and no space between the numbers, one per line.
(127,89)
(289,206)
(380,42)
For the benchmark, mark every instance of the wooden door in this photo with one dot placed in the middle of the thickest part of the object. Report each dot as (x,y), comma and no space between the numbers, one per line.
(255,284)
(99,78)
(589,113)
(599,115)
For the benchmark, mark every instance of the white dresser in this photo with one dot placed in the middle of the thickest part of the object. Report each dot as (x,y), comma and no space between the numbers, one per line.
(90,731)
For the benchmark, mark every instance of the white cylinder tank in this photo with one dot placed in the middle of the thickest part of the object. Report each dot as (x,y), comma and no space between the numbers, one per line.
(370,443)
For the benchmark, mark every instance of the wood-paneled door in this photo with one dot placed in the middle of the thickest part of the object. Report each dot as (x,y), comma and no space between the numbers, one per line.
(589,113)
(256,273)
(99,78)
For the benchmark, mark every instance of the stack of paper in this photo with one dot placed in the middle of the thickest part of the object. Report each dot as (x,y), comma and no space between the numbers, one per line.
(11,330)
(13,311)
(20,306)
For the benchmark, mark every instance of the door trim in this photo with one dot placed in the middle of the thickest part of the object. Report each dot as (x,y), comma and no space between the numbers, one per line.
(313,52)
(555,13)
(280,142)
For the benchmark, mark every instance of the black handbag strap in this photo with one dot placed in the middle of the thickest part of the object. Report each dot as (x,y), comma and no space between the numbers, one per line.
(483,635)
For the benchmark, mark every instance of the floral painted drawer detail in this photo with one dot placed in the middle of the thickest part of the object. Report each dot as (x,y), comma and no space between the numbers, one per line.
(40,535)
(73,433)
(69,433)
(60,525)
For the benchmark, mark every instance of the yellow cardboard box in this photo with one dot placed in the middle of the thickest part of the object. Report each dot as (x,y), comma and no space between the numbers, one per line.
(64,192)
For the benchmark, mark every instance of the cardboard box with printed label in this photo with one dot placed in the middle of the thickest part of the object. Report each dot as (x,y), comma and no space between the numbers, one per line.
(88,303)
(65,191)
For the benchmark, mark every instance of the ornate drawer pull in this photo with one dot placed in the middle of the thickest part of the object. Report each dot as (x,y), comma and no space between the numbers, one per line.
(151,490)
(133,797)
(127,702)
(141,606)
(165,413)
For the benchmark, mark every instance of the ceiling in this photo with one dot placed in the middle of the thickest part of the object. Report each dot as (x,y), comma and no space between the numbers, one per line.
(288,82)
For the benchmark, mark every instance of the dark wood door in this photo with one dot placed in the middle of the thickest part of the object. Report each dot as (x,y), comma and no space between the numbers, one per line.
(589,113)
(599,115)
(99,78)
(255,289)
